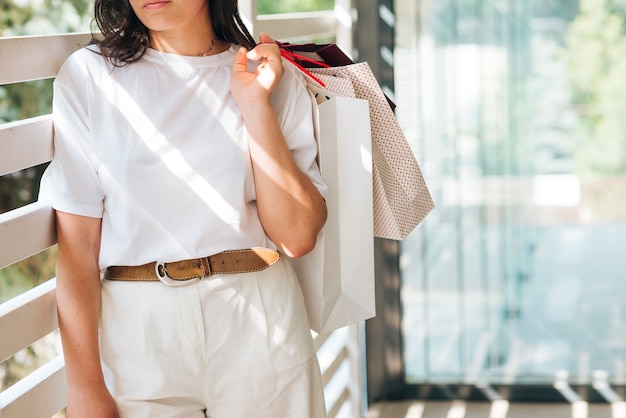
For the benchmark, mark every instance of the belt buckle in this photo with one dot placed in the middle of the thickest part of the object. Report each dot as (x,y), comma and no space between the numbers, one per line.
(161,273)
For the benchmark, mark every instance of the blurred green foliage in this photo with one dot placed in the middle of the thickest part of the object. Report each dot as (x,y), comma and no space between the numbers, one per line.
(292,6)
(595,53)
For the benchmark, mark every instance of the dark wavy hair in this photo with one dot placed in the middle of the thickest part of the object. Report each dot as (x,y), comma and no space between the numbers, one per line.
(124,39)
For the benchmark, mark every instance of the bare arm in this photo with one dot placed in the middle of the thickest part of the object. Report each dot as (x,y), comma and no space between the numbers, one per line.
(78,307)
(290,207)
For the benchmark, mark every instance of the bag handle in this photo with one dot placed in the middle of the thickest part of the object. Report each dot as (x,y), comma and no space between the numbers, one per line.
(292,57)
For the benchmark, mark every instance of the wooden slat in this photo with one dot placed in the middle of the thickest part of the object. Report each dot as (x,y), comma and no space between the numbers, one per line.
(26,231)
(297,26)
(320,339)
(25,144)
(41,394)
(28,318)
(338,404)
(334,366)
(36,57)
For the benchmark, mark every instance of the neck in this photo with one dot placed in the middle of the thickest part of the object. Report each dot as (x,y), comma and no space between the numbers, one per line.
(190,46)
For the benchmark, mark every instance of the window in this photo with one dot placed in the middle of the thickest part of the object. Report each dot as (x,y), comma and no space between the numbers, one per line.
(515,111)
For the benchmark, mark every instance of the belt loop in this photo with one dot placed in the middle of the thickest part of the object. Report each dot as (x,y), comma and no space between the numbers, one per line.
(206,267)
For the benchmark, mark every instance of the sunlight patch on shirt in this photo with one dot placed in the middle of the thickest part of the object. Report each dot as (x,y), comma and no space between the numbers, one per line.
(158,143)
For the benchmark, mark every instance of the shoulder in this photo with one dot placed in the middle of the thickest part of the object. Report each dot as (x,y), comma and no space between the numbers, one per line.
(87,55)
(82,62)
(291,99)
(293,75)
(292,84)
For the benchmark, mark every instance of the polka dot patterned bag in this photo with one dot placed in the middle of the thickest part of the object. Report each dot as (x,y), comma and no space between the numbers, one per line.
(401,197)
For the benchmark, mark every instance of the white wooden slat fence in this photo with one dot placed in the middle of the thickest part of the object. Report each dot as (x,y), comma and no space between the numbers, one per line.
(28,230)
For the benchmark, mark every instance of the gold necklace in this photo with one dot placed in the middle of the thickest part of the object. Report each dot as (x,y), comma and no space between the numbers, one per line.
(209,49)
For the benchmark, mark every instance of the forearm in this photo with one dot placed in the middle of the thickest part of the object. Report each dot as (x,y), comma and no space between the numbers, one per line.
(290,207)
(78,300)
(78,310)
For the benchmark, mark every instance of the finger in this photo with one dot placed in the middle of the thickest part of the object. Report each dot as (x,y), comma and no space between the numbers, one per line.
(269,51)
(240,63)
(264,38)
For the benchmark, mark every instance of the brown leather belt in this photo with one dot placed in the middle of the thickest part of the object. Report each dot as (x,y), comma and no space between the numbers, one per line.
(183,273)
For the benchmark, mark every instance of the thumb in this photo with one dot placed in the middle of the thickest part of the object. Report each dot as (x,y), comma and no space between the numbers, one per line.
(240,63)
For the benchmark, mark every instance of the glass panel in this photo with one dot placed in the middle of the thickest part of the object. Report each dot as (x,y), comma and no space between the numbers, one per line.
(515,111)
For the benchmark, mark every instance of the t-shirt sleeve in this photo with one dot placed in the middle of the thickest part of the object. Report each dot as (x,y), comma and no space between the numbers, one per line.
(70,183)
(294,108)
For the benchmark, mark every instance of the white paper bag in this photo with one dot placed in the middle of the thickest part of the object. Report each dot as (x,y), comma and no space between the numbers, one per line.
(401,198)
(337,277)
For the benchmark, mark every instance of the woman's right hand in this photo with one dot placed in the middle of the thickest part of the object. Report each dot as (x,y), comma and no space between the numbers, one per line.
(93,403)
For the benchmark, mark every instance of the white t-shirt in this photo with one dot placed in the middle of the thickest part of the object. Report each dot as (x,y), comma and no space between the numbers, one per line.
(158,149)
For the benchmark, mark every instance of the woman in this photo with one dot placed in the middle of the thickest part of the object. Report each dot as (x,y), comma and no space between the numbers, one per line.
(184,157)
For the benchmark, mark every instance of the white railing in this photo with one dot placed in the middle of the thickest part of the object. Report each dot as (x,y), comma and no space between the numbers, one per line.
(30,229)
(309,26)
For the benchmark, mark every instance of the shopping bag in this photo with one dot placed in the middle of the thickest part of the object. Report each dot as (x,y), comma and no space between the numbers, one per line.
(400,194)
(312,55)
(337,277)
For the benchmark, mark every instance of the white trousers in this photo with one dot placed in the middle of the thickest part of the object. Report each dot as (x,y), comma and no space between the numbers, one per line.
(231,346)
